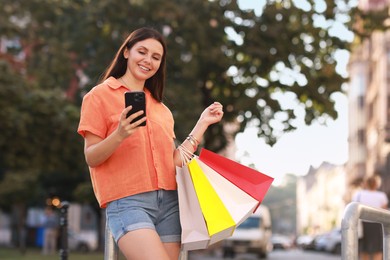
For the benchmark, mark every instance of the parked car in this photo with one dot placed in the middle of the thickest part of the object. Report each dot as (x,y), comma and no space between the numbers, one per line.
(305,242)
(82,242)
(252,236)
(329,242)
(280,241)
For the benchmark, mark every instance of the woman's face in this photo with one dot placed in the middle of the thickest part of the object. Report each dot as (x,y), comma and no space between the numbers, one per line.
(144,58)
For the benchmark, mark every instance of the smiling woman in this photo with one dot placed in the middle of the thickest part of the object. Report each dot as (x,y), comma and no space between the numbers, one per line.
(131,154)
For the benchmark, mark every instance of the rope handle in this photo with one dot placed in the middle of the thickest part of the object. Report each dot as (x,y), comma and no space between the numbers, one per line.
(185,155)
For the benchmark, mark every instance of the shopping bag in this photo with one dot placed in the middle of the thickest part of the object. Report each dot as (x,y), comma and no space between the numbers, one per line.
(194,230)
(220,223)
(239,204)
(253,182)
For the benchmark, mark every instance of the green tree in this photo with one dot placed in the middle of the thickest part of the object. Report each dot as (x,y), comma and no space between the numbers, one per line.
(281,200)
(37,138)
(36,160)
(204,62)
(216,51)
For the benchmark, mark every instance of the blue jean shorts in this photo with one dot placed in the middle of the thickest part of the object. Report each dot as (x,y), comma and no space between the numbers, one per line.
(158,210)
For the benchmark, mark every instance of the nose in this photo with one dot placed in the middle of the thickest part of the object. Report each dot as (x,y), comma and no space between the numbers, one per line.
(148,59)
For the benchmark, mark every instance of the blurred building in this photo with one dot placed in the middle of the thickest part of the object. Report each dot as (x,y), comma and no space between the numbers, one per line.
(369,105)
(320,203)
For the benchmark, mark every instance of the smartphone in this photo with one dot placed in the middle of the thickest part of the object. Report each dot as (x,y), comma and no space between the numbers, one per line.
(136,99)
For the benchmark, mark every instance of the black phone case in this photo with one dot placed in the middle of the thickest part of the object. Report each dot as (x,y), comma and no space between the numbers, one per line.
(137,100)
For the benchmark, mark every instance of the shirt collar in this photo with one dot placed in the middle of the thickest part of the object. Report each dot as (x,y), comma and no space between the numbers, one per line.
(116,84)
(113,83)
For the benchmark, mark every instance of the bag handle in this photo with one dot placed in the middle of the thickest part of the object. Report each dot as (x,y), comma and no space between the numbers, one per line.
(185,155)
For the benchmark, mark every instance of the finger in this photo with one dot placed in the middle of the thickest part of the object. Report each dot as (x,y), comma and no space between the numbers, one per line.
(125,112)
(216,105)
(216,110)
(131,127)
(135,115)
(139,122)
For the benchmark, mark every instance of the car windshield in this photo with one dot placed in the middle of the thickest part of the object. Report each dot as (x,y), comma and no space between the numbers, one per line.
(251,222)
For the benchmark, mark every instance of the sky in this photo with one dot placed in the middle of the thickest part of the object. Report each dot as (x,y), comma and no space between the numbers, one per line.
(295,152)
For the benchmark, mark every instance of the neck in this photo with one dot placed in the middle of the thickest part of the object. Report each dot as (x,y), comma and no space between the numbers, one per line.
(131,84)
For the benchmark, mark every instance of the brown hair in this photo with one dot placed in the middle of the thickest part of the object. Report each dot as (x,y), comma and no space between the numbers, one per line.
(118,66)
(373,182)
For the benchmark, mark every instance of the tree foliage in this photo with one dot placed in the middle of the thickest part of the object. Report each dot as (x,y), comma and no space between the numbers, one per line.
(37,127)
(216,51)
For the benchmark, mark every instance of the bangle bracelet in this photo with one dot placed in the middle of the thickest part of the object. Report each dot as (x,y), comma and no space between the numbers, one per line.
(193,138)
(194,145)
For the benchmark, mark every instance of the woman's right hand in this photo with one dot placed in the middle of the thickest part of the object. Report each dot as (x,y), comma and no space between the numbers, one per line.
(125,127)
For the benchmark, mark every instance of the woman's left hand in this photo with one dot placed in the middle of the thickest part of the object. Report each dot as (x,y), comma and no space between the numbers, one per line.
(212,114)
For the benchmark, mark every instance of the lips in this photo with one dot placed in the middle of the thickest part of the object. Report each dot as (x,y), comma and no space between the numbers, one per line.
(144,68)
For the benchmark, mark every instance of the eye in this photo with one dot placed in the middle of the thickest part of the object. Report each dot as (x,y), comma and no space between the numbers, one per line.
(156,58)
(142,52)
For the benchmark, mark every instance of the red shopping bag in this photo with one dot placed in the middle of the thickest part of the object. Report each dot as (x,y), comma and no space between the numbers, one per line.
(247,179)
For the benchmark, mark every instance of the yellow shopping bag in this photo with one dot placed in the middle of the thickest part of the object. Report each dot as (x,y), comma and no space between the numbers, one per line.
(220,223)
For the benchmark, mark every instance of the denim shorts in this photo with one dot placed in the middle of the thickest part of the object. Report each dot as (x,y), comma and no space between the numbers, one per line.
(158,210)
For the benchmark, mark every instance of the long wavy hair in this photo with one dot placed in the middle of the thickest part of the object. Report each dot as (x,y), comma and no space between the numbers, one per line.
(118,66)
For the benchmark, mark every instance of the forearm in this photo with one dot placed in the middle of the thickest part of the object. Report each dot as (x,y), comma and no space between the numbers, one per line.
(211,115)
(99,152)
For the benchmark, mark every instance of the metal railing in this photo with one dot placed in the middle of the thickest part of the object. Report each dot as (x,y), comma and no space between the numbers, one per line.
(349,228)
(111,249)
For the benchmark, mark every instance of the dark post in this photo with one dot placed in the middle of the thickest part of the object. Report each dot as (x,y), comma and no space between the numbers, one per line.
(64,230)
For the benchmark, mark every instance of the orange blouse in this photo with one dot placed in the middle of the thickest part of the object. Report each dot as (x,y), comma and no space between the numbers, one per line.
(144,161)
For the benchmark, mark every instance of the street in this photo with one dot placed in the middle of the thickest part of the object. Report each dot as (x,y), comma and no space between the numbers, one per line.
(293,254)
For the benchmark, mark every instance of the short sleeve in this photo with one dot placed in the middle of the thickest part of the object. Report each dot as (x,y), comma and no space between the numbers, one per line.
(355,196)
(385,200)
(92,118)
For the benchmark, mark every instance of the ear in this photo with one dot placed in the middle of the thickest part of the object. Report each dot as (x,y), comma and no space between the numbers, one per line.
(126,53)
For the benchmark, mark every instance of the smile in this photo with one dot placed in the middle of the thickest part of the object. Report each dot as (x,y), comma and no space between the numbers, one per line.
(144,68)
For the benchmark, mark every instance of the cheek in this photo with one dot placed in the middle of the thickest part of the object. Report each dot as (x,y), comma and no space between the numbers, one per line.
(156,65)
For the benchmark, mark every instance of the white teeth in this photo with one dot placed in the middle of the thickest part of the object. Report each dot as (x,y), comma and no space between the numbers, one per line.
(144,68)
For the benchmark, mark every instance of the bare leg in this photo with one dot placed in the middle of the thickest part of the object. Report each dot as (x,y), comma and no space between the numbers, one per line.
(142,244)
(377,256)
(365,256)
(173,250)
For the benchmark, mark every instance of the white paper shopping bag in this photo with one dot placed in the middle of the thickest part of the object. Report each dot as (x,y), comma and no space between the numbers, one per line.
(194,230)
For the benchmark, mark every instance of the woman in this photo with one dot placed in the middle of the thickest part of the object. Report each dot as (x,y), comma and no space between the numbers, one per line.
(371,244)
(132,167)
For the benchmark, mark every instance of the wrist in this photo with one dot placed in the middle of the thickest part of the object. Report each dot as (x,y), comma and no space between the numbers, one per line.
(118,137)
(202,125)
(192,141)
